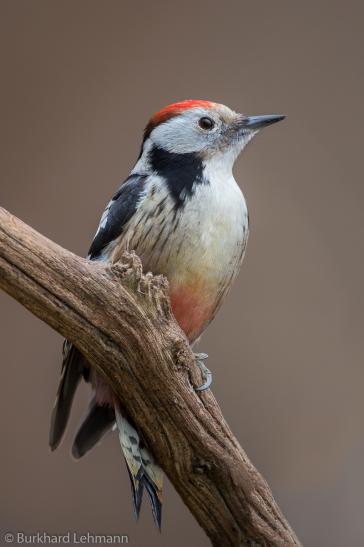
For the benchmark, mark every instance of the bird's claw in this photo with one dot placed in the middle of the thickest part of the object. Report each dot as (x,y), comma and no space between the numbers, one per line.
(206,373)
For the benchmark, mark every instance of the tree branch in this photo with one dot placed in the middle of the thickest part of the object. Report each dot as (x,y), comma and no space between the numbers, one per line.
(121,321)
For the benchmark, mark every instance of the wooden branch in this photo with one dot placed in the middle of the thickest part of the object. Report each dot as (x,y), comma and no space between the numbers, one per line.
(121,321)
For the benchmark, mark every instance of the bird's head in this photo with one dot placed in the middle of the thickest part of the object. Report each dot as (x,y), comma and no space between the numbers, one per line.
(203,128)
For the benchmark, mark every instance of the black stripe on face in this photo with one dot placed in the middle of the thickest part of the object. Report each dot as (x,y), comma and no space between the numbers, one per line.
(182,172)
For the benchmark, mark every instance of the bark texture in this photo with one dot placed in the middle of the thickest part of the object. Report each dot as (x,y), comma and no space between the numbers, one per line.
(121,320)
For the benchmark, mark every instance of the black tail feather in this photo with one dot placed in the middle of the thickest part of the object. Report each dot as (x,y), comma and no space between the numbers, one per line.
(137,489)
(154,500)
(73,364)
(144,472)
(98,421)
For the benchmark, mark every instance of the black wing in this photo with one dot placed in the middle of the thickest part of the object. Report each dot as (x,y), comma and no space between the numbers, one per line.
(120,209)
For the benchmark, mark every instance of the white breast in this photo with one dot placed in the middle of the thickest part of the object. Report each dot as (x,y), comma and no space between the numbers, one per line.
(215,229)
(206,237)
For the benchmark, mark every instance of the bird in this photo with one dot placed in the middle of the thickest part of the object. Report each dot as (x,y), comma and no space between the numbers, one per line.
(182,212)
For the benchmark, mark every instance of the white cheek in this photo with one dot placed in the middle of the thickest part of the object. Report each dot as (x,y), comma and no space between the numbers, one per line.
(182,134)
(178,136)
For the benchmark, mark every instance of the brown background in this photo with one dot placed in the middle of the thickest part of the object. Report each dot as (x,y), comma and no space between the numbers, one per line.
(78,82)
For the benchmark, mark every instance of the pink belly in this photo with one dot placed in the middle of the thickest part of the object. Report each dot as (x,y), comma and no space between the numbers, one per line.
(192,309)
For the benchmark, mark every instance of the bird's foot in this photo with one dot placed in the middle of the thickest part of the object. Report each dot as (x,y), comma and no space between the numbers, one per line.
(206,373)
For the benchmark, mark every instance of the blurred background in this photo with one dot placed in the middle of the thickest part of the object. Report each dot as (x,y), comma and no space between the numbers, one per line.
(78,82)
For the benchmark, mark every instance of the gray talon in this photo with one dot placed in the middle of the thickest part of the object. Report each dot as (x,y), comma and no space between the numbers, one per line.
(206,373)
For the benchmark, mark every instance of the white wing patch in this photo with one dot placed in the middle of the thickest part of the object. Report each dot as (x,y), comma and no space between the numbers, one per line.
(103,222)
(104,217)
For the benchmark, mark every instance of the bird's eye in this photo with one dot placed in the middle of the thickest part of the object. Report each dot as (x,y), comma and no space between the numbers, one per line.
(206,123)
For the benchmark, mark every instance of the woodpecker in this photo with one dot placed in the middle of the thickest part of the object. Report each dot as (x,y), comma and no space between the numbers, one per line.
(183,213)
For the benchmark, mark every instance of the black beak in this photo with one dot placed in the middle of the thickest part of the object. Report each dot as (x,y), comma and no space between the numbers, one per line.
(257,122)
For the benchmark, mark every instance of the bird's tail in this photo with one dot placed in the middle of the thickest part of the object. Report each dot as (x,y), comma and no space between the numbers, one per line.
(142,468)
(100,419)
